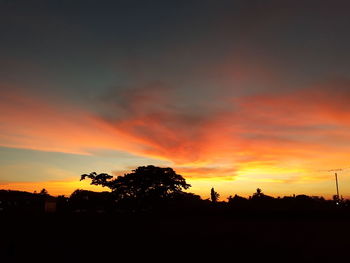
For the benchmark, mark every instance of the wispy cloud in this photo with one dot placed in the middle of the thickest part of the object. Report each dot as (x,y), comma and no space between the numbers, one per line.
(217,140)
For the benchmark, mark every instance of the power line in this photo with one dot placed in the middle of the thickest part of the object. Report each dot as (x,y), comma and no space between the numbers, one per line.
(334,170)
(336,179)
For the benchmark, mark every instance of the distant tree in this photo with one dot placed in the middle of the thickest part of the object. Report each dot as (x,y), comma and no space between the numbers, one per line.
(236,198)
(214,196)
(44,192)
(338,200)
(142,183)
(258,193)
(85,200)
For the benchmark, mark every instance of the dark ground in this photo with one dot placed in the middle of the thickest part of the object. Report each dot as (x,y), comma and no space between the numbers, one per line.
(218,238)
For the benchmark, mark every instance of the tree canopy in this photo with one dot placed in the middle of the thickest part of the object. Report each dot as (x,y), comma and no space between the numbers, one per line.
(214,196)
(143,182)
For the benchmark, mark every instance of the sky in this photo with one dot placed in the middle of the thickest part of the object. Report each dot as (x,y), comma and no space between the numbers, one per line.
(233,95)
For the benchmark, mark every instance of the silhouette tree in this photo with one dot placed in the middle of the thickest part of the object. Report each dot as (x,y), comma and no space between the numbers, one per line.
(258,194)
(214,196)
(142,183)
(236,198)
(44,192)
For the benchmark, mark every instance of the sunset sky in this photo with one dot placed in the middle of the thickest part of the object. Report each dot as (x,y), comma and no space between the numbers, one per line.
(233,95)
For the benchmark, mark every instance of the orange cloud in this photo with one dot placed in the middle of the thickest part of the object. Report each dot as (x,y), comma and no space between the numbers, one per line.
(301,128)
(34,123)
(267,126)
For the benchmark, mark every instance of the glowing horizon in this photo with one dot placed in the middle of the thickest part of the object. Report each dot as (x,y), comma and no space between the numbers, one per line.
(233,97)
(246,153)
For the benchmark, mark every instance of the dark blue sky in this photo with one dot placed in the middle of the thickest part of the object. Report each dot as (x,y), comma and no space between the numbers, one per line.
(88,46)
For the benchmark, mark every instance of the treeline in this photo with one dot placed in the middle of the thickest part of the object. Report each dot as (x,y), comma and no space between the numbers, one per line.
(84,201)
(150,189)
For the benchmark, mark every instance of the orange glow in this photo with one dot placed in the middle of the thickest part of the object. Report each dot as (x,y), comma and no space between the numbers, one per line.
(55,188)
(272,139)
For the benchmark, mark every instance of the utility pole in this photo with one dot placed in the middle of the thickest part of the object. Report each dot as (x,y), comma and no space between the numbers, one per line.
(336,182)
